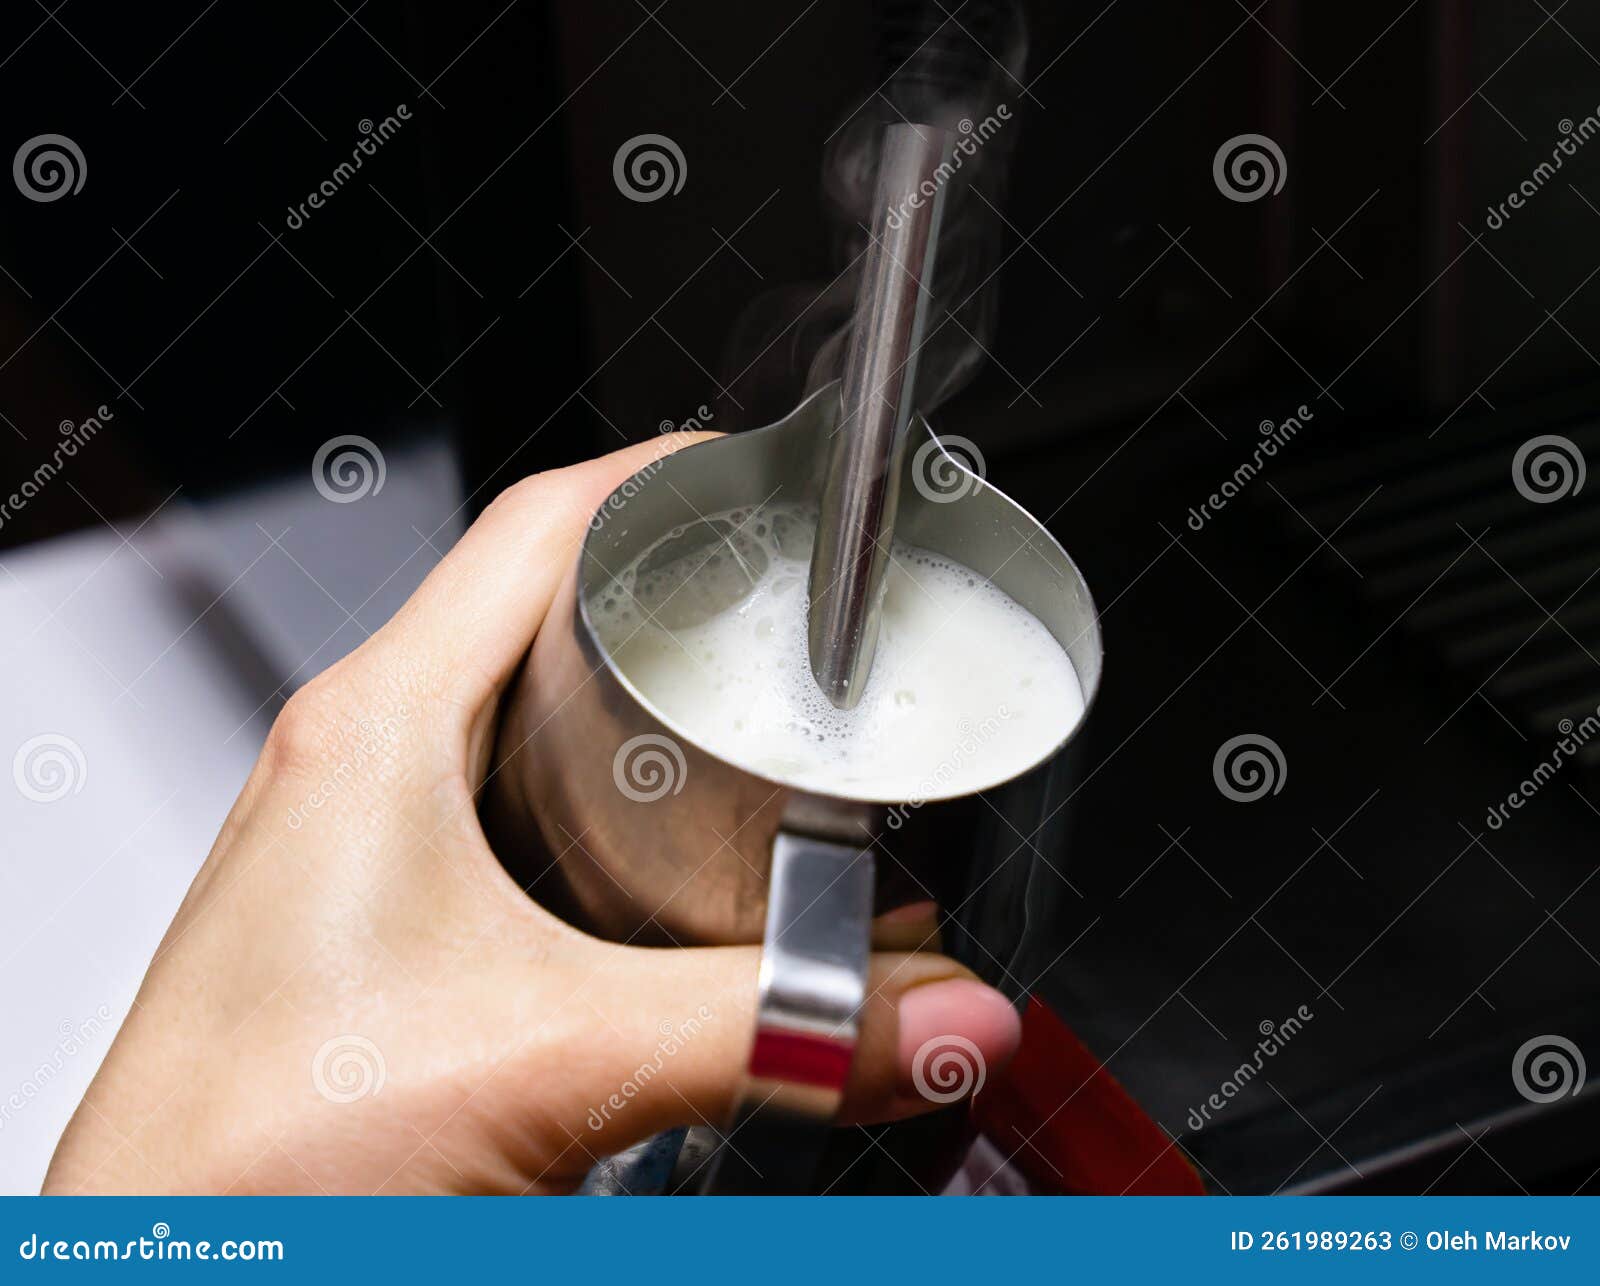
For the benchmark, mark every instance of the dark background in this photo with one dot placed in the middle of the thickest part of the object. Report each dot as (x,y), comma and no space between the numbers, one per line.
(1382,603)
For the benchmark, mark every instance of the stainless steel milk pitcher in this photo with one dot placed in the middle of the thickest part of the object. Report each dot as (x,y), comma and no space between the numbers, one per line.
(638,833)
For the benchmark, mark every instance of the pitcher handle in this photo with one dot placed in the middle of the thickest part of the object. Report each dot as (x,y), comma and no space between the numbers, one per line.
(815,959)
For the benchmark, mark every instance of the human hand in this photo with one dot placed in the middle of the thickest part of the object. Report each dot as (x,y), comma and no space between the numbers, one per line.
(355,997)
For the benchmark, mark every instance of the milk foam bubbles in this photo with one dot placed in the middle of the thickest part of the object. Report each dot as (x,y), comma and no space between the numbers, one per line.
(967,688)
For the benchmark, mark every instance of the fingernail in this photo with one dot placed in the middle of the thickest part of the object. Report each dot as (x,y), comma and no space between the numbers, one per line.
(954,1034)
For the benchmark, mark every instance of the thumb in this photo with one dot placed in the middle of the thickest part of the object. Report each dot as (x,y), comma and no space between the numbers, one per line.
(930,1033)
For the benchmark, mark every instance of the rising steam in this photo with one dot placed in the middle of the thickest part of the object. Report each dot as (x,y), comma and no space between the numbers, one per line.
(963,77)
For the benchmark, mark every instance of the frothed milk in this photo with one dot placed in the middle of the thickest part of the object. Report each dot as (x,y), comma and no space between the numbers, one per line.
(967,688)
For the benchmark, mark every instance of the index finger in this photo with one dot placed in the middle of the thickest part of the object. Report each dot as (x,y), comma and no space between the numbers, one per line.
(473,618)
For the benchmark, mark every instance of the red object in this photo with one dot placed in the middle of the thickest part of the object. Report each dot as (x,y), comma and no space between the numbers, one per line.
(800,1057)
(1068,1125)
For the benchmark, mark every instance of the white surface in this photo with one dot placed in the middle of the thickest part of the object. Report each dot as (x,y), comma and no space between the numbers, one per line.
(132,662)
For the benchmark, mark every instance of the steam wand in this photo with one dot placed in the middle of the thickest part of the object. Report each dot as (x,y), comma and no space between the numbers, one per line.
(860,492)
